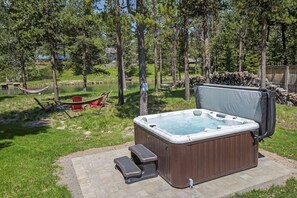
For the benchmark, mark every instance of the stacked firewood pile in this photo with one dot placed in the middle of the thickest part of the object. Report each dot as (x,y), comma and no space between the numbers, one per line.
(283,96)
(245,79)
(229,78)
(236,78)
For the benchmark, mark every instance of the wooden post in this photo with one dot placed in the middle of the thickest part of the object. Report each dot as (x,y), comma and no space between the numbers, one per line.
(287,77)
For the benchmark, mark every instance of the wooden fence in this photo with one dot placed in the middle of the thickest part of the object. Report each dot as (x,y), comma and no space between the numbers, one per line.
(283,76)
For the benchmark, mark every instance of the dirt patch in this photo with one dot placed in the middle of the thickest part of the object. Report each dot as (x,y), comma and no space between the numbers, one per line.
(67,174)
(128,131)
(286,125)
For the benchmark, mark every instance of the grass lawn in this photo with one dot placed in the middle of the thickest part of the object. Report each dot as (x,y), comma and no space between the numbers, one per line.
(42,76)
(289,190)
(99,73)
(28,153)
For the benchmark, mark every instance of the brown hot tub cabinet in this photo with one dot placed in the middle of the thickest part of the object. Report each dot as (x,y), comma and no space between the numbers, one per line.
(200,160)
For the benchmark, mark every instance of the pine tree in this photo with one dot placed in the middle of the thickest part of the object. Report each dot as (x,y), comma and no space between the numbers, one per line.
(22,33)
(51,27)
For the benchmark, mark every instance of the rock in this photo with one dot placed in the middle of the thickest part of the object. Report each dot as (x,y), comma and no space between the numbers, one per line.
(87,133)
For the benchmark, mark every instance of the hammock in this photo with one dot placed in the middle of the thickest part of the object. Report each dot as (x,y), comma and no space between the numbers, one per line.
(83,102)
(34,91)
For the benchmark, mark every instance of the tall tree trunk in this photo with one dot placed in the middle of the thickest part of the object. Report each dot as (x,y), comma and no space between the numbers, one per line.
(84,67)
(179,72)
(174,61)
(54,63)
(156,65)
(263,51)
(24,74)
(203,56)
(161,66)
(155,47)
(206,53)
(141,60)
(119,56)
(186,59)
(286,85)
(283,28)
(240,46)
(123,73)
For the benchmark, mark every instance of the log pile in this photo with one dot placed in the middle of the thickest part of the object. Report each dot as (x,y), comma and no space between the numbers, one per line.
(244,79)
(282,96)
(236,78)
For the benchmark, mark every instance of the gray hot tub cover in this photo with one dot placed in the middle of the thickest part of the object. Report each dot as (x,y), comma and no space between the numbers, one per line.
(247,102)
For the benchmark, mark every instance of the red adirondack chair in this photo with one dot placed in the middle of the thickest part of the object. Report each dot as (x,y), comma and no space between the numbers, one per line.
(101,102)
(78,107)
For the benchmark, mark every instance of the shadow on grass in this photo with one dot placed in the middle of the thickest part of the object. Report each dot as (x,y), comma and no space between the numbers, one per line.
(131,107)
(5,143)
(177,93)
(9,131)
(5,97)
(20,122)
(15,129)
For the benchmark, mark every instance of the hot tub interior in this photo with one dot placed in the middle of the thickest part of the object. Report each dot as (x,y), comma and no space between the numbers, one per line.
(187,123)
(191,121)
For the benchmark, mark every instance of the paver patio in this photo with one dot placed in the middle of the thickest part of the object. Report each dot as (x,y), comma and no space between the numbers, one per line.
(95,176)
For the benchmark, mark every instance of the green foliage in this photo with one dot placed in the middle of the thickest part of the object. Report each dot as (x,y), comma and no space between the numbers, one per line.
(85,46)
(29,28)
(18,35)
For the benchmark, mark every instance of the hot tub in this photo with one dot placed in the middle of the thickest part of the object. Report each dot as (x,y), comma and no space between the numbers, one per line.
(197,145)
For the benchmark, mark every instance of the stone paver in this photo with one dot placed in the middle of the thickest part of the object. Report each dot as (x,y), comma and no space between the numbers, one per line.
(97,177)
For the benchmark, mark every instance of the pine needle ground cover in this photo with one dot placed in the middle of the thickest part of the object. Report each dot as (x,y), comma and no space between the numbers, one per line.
(29,149)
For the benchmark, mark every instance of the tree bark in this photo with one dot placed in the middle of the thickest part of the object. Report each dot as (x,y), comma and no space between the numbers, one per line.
(141,60)
(174,62)
(84,67)
(286,85)
(240,46)
(284,44)
(123,73)
(206,53)
(24,74)
(119,55)
(161,66)
(155,47)
(54,68)
(263,51)
(156,65)
(186,59)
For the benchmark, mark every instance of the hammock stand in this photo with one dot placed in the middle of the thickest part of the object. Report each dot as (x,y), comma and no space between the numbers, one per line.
(34,91)
(82,102)
(60,103)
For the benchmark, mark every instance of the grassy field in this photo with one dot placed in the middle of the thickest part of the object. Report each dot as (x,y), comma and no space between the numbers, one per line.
(28,151)
(42,75)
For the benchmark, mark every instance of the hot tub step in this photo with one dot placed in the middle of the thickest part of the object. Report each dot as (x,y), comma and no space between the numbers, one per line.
(141,166)
(128,168)
(143,153)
